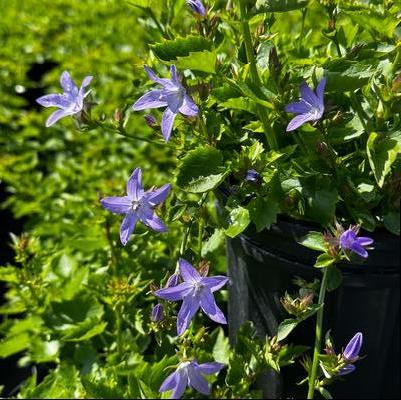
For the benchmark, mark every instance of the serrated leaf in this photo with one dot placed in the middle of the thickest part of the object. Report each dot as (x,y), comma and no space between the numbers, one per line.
(214,242)
(239,220)
(286,327)
(204,61)
(170,50)
(314,241)
(334,278)
(263,211)
(14,344)
(324,260)
(265,6)
(201,170)
(392,222)
(382,152)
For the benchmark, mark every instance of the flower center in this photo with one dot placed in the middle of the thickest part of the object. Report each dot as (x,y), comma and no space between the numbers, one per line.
(135,204)
(198,287)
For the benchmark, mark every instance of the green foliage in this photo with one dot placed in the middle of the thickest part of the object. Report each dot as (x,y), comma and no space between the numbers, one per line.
(77,302)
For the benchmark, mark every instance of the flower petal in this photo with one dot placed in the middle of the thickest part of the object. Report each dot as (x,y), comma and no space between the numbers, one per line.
(167,123)
(86,81)
(53,100)
(210,308)
(117,205)
(320,92)
(365,241)
(56,116)
(189,307)
(151,220)
(210,367)
(299,120)
(353,347)
(182,382)
(188,272)
(153,77)
(299,107)
(152,99)
(174,293)
(68,84)
(127,227)
(134,185)
(157,196)
(189,108)
(174,76)
(347,369)
(197,381)
(308,95)
(170,382)
(358,249)
(215,282)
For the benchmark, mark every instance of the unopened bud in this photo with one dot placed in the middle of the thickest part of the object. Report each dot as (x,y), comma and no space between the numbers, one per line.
(173,280)
(118,115)
(150,120)
(157,313)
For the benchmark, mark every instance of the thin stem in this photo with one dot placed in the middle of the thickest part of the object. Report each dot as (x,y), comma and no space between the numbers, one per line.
(318,337)
(119,340)
(187,232)
(250,56)
(120,131)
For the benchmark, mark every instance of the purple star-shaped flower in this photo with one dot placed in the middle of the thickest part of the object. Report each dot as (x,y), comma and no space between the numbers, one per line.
(196,291)
(190,373)
(349,241)
(197,6)
(137,205)
(310,107)
(172,95)
(351,354)
(70,102)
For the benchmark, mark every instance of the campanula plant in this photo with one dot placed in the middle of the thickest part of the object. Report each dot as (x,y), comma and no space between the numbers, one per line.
(272,110)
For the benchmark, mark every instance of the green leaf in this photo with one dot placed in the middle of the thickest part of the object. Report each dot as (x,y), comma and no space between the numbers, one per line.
(324,260)
(170,50)
(314,241)
(266,6)
(221,348)
(263,212)
(213,243)
(204,61)
(392,222)
(14,344)
(240,219)
(62,382)
(334,278)
(201,170)
(84,331)
(286,327)
(382,152)
(321,196)
(345,75)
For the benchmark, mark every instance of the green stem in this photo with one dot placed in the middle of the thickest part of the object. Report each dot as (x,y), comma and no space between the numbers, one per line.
(187,232)
(250,56)
(318,337)
(119,340)
(120,131)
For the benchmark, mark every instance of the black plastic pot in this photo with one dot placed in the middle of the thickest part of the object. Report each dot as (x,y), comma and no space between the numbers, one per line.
(262,267)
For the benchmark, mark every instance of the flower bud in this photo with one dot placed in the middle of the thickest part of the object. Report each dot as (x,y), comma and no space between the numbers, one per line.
(252,175)
(353,348)
(157,313)
(173,280)
(150,120)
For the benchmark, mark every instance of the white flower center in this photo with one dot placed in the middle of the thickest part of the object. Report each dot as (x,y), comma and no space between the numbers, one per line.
(135,204)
